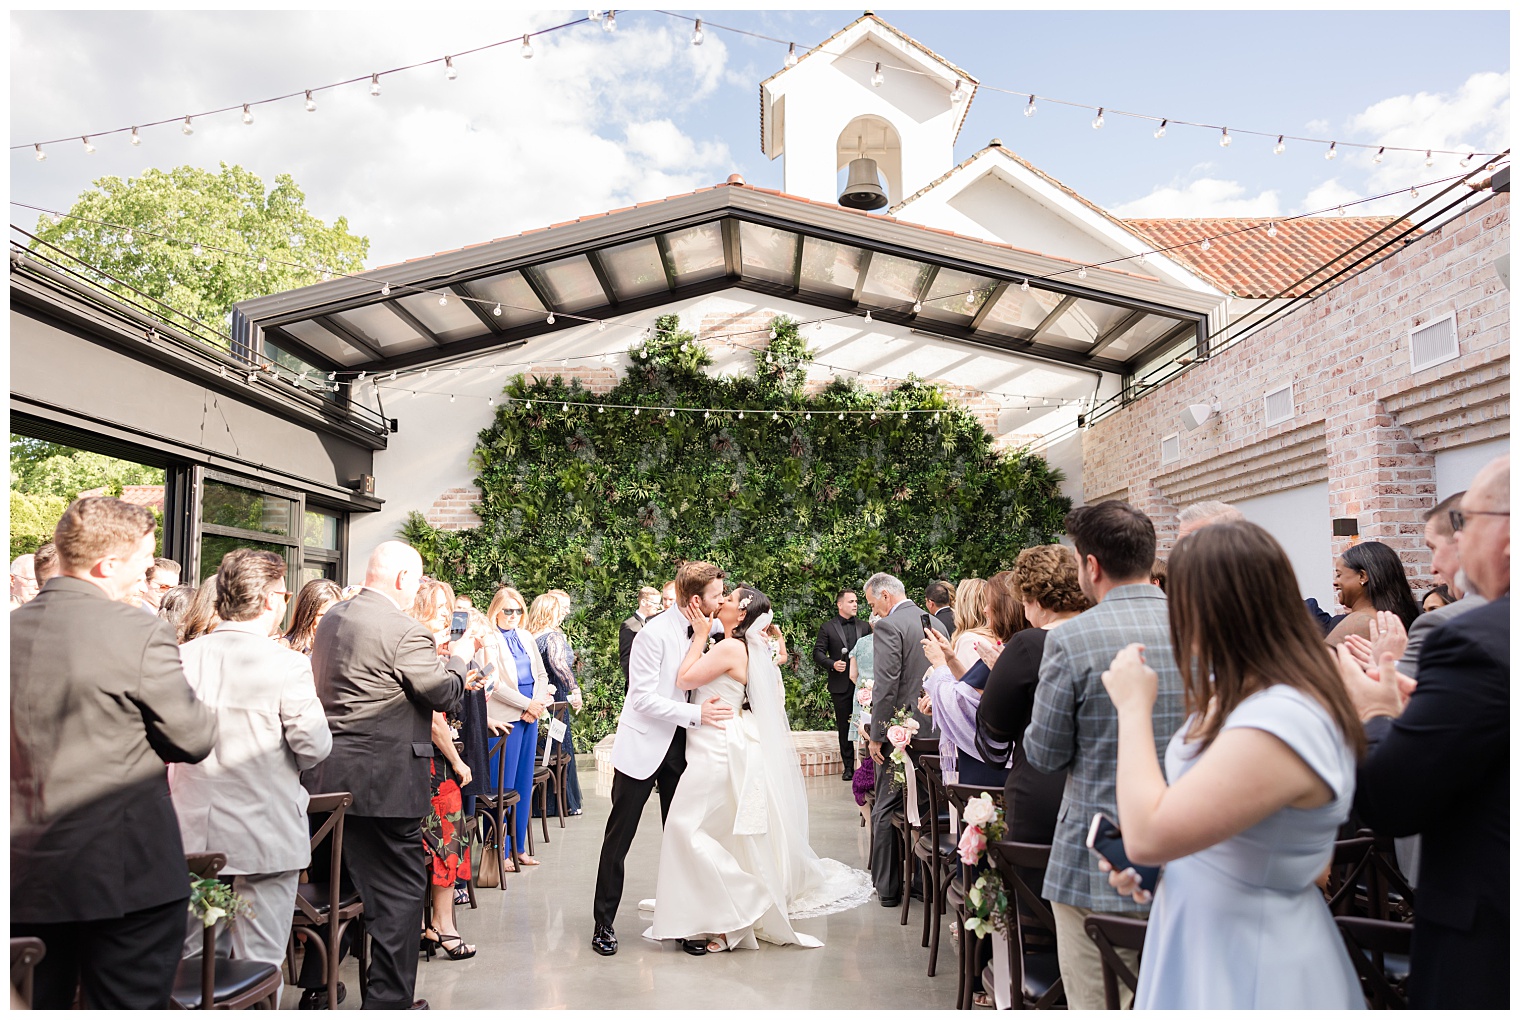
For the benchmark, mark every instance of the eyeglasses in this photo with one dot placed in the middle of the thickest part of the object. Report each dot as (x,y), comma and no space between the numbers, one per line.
(511,612)
(285,594)
(1459,517)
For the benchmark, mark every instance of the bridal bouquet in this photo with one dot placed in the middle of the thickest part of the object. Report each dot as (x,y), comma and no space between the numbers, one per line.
(987,905)
(899,731)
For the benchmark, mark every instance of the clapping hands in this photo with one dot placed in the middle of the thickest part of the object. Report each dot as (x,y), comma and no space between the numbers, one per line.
(1375,690)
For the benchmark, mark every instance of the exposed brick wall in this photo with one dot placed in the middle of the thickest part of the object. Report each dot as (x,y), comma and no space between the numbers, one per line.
(455,510)
(1362,421)
(596,378)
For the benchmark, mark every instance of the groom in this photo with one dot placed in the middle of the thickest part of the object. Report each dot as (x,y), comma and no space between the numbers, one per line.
(650,747)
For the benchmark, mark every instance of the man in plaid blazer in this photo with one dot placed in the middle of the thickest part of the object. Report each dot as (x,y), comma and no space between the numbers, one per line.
(1074,725)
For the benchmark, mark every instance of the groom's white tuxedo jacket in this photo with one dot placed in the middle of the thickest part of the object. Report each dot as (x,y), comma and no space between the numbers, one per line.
(654,707)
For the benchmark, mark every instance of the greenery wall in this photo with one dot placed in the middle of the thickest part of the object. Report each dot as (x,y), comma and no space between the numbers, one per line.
(601,503)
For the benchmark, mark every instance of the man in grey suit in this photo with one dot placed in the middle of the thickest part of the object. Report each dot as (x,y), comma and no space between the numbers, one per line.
(1074,725)
(900,667)
(380,677)
(246,799)
(98,705)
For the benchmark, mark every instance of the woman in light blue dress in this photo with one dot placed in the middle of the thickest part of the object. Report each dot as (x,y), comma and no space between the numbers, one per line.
(1257,782)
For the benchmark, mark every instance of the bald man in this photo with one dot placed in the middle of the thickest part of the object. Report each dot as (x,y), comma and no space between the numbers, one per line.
(1438,766)
(380,676)
(23,580)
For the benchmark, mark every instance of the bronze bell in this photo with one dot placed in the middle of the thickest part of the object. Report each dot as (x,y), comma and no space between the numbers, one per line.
(862,189)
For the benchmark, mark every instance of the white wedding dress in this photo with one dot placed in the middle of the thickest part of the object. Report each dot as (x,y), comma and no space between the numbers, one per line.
(735,859)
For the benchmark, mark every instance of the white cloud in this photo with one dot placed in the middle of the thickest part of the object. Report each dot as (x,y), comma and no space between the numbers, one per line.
(588,124)
(1203,197)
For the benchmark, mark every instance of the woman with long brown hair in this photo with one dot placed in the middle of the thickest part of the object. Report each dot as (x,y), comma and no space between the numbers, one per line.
(1257,782)
(315,599)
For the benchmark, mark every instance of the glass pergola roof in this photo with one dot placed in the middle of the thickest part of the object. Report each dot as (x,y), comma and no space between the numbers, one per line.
(606,273)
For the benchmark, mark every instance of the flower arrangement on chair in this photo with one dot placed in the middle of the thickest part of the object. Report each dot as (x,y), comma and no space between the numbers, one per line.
(900,730)
(987,906)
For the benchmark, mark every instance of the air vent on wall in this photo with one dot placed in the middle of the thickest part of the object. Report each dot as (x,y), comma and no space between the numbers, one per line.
(1278,405)
(1433,344)
(1171,448)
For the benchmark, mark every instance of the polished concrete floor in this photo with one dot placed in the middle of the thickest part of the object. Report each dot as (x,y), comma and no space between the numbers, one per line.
(534,937)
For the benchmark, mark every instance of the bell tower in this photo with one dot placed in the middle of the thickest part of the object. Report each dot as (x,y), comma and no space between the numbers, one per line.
(867,93)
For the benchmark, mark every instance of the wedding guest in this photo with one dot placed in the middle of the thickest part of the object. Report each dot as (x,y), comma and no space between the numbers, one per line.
(99,704)
(163,575)
(381,676)
(544,619)
(969,617)
(1438,597)
(953,705)
(667,595)
(315,599)
(1073,725)
(939,599)
(831,654)
(1200,515)
(24,584)
(1369,576)
(1158,573)
(245,799)
(1044,579)
(1439,763)
(199,617)
(443,832)
(1446,564)
(171,608)
(1258,781)
(521,697)
(900,665)
(649,605)
(45,563)
(862,663)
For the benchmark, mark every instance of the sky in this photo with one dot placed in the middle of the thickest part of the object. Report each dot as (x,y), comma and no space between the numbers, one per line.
(598,120)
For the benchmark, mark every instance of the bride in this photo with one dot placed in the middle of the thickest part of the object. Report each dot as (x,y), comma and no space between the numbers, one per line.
(735,864)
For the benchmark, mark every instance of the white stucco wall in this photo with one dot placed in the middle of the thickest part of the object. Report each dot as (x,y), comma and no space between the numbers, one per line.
(1300,521)
(1455,469)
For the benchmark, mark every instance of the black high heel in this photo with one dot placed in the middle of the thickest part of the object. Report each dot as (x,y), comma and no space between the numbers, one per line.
(453,946)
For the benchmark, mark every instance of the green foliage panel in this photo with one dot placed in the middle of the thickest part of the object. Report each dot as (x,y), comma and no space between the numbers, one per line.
(790,498)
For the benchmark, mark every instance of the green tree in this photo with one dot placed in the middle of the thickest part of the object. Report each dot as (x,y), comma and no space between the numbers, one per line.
(33,519)
(47,477)
(792,497)
(167,212)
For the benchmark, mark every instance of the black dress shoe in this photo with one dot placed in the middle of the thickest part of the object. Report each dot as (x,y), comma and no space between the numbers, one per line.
(849,774)
(696,947)
(891,903)
(603,940)
(316,998)
(419,1004)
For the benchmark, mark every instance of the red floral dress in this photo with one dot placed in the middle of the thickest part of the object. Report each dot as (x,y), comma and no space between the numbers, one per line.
(443,830)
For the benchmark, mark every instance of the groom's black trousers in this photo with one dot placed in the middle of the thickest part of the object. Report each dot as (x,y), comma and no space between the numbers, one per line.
(628,799)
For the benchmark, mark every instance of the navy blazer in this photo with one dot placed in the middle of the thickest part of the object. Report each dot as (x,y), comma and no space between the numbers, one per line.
(1441,769)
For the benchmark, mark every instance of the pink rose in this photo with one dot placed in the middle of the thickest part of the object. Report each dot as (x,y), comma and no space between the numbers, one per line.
(910,724)
(972,843)
(864,696)
(897,736)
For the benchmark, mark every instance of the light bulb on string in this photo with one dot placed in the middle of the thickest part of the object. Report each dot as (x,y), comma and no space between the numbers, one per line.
(136,138)
(601,409)
(868,315)
(808,416)
(197,250)
(609,23)
(1206,244)
(1225,139)
(595,15)
(841,416)
(247,114)
(311,104)
(1082,273)
(385,290)
(1029,108)
(1378,156)
(127,237)
(1466,161)
(1098,120)
(443,299)
(89,147)
(374,85)
(326,274)
(957,94)
(741,415)
(1430,160)
(253,377)
(791,55)
(1160,131)
(1272,229)
(263,264)
(550,319)
(876,76)
(527,48)
(773,332)
(185,128)
(1340,210)
(333,375)
(449,74)
(1277,150)
(775,416)
(393,375)
(451,398)
(918,306)
(697,36)
(1024,287)
(490,401)
(672,412)
(497,309)
(1330,153)
(601,325)
(564,407)
(1414,192)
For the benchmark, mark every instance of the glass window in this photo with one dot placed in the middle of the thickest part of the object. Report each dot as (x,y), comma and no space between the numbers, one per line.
(232,506)
(214,547)
(325,343)
(696,253)
(452,321)
(316,572)
(1143,333)
(570,284)
(893,282)
(383,327)
(519,304)
(830,269)
(955,297)
(321,531)
(768,254)
(1084,322)
(635,269)
(1018,312)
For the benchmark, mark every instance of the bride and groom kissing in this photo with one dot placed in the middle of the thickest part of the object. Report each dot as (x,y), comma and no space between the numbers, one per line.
(704,722)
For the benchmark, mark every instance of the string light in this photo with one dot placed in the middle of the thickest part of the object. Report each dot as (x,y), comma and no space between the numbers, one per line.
(550,319)
(1160,132)
(791,55)
(1225,139)
(609,22)
(918,306)
(374,85)
(601,325)
(957,94)
(1414,192)
(451,398)
(1098,120)
(1330,152)
(496,311)
(876,76)
(311,104)
(1206,245)
(1378,158)
(1024,287)
(1082,273)
(868,315)
(89,149)
(443,299)
(185,128)
(247,114)
(1277,150)
(696,34)
(527,48)
(197,250)
(127,237)
(1272,229)
(490,401)
(263,263)
(385,290)
(1029,108)
(1430,160)
(40,154)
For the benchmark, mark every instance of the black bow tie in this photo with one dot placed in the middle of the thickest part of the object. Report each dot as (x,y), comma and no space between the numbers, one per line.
(690,631)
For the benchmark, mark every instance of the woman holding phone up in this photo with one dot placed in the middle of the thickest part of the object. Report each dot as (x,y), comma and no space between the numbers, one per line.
(1257,781)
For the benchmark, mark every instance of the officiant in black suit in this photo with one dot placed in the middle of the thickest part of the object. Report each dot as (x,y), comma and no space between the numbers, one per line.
(831,654)
(649,606)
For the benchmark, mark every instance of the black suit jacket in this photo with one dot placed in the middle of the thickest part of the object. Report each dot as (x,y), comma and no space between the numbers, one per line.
(98,705)
(946,615)
(626,634)
(1442,770)
(380,680)
(833,645)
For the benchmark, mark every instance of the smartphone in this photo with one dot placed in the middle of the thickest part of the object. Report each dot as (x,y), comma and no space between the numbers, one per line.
(927,621)
(1105,840)
(458,625)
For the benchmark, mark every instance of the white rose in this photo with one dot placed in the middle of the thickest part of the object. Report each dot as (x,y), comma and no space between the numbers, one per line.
(979,810)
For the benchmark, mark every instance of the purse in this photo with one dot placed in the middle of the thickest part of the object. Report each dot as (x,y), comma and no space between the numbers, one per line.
(488,874)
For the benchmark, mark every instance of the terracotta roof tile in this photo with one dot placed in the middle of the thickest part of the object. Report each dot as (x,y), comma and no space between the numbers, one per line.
(1250,264)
